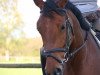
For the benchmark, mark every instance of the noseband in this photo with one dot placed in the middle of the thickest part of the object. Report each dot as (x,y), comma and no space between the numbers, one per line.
(66,50)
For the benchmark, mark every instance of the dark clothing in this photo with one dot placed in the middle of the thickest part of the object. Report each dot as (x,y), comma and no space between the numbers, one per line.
(98,34)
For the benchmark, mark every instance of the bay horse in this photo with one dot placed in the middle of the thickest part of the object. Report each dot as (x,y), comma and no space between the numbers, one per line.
(68,49)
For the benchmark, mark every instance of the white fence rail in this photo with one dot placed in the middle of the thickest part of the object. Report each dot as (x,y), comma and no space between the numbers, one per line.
(19,59)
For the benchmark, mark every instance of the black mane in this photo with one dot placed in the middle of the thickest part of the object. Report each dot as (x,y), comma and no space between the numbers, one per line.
(50,6)
(84,25)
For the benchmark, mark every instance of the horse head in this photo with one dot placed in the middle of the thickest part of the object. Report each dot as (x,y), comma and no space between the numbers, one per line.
(55,25)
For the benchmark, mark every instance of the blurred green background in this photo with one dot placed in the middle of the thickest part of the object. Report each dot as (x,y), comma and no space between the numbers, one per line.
(21,71)
(15,45)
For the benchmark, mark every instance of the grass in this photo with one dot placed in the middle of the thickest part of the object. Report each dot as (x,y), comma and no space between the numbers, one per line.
(20,71)
(32,48)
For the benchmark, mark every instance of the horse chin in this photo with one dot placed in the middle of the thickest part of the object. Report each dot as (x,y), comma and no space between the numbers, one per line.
(56,71)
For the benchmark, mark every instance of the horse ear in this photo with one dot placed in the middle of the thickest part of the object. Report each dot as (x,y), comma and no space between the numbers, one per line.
(39,3)
(61,3)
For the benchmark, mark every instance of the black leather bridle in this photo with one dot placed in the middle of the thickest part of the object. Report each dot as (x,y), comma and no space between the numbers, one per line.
(67,54)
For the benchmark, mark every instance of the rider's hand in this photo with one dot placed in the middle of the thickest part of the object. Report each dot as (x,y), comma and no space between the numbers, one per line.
(92,17)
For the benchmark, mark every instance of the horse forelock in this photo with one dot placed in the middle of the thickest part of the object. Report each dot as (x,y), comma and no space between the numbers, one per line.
(50,6)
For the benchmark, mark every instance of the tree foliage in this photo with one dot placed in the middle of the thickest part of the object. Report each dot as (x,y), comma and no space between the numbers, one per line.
(10,21)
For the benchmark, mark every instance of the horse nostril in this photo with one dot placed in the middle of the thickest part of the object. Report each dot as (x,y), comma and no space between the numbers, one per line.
(57,71)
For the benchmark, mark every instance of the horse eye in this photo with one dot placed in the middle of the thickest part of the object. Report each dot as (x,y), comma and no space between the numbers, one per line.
(62,27)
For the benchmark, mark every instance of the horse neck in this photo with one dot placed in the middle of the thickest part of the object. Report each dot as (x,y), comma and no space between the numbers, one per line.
(78,39)
(85,56)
